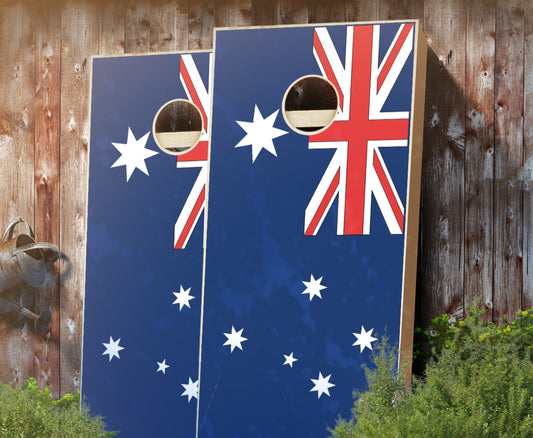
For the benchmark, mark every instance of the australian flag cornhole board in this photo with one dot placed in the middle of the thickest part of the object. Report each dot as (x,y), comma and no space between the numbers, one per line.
(311,224)
(144,246)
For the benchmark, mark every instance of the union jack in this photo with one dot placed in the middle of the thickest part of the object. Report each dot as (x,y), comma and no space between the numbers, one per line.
(195,157)
(357,169)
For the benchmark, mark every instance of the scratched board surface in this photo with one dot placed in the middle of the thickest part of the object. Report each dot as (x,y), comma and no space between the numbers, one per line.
(305,233)
(143,284)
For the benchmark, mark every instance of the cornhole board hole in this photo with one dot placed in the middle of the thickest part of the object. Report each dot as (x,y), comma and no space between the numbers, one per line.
(312,220)
(147,178)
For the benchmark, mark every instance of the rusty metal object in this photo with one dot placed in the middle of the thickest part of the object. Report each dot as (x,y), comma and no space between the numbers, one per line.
(22,264)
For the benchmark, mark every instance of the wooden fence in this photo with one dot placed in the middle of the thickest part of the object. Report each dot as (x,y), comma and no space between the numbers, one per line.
(476,207)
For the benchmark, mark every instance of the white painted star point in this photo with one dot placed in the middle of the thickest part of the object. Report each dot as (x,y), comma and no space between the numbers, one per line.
(313,287)
(260,133)
(133,154)
(322,385)
(235,339)
(162,366)
(191,390)
(112,348)
(183,297)
(364,339)
(289,359)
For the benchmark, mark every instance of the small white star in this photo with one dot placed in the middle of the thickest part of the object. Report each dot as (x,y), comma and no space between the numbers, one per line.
(112,348)
(235,339)
(133,154)
(364,339)
(162,366)
(183,297)
(191,390)
(289,360)
(322,385)
(260,133)
(313,287)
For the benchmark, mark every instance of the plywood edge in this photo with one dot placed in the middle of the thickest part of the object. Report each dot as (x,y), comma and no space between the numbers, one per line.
(413,204)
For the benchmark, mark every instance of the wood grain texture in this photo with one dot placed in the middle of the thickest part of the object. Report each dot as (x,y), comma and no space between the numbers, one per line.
(526,174)
(362,10)
(508,156)
(137,27)
(17,173)
(47,128)
(201,23)
(442,217)
(169,25)
(231,13)
(111,27)
(263,13)
(79,18)
(479,153)
(330,12)
(292,12)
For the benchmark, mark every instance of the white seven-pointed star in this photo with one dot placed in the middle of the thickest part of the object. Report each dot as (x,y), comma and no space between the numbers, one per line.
(289,360)
(191,389)
(162,366)
(364,339)
(112,348)
(183,297)
(322,385)
(313,287)
(133,154)
(260,133)
(235,339)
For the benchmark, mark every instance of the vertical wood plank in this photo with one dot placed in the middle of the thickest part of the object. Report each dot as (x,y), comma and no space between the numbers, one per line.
(47,126)
(479,162)
(111,27)
(79,41)
(201,23)
(362,10)
(527,173)
(233,13)
(292,12)
(401,9)
(440,289)
(330,12)
(508,156)
(263,12)
(16,173)
(137,27)
(169,25)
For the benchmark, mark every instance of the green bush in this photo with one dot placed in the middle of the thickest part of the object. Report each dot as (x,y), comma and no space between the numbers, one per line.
(29,412)
(477,383)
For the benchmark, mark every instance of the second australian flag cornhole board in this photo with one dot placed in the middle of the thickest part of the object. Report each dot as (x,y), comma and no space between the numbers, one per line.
(312,220)
(144,241)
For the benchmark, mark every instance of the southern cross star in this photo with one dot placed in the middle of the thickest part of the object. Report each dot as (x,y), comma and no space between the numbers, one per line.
(112,348)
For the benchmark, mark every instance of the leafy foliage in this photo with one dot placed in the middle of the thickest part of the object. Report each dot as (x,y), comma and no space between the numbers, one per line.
(477,383)
(29,412)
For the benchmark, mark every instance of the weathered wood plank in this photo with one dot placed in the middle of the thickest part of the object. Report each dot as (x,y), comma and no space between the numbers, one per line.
(169,25)
(47,125)
(111,27)
(79,41)
(401,9)
(232,13)
(362,10)
(527,171)
(137,30)
(201,23)
(330,12)
(479,151)
(263,12)
(442,237)
(17,360)
(508,156)
(292,12)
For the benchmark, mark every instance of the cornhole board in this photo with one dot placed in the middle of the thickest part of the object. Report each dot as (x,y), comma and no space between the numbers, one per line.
(144,246)
(311,232)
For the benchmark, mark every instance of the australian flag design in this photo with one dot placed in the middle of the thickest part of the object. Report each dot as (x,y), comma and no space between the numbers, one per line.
(305,233)
(144,248)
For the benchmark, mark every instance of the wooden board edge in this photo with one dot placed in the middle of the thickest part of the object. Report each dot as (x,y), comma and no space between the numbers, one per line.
(413,205)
